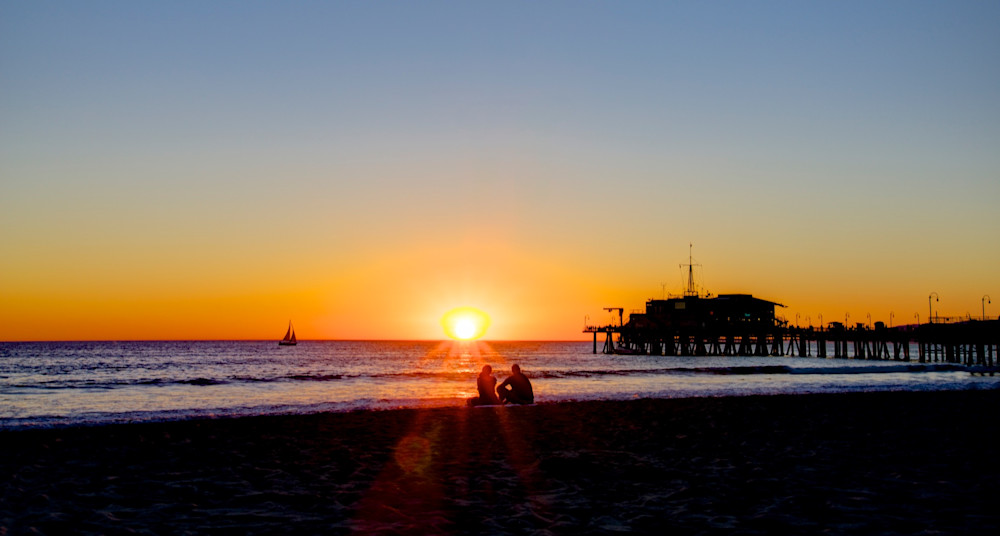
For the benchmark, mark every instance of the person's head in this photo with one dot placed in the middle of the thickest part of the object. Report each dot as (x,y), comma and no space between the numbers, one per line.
(516,369)
(487,369)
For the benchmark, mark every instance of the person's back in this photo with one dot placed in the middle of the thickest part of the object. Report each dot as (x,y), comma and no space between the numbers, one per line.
(486,385)
(522,386)
(516,389)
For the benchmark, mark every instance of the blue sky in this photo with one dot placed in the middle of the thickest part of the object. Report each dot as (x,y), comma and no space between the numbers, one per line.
(557,129)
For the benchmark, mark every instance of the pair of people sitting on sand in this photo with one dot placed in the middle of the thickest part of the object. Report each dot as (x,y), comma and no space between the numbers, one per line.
(516,389)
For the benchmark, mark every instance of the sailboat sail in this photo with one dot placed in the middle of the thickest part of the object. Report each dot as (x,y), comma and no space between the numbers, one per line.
(289,339)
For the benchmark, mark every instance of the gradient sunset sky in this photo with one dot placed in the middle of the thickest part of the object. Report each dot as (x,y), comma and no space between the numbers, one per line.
(210,170)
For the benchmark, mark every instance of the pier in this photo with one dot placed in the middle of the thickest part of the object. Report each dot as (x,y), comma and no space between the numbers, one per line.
(970,342)
(693,324)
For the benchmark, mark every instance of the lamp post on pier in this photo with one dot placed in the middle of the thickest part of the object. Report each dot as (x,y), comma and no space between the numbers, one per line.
(930,312)
(985,300)
(891,314)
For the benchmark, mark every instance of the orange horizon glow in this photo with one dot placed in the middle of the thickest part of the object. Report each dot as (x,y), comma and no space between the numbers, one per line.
(527,301)
(531,293)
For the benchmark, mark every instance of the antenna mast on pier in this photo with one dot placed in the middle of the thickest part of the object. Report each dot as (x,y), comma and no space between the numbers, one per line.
(691,291)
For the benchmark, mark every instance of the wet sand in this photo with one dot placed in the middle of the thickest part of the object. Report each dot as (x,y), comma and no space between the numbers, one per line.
(865,463)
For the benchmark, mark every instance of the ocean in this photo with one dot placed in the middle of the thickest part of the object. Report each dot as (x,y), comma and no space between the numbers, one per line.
(46,384)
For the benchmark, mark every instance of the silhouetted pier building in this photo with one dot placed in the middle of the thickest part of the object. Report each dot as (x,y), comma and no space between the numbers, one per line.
(695,311)
(728,324)
(742,325)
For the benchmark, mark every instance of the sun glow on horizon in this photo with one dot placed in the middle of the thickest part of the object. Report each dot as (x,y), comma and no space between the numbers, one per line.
(465,323)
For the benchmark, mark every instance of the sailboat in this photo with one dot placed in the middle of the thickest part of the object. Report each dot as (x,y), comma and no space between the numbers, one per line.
(289,339)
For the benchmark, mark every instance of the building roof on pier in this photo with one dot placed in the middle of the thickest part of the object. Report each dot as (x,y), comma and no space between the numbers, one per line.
(745,297)
(723,298)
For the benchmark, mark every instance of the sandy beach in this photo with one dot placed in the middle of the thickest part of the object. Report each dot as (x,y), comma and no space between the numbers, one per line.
(866,463)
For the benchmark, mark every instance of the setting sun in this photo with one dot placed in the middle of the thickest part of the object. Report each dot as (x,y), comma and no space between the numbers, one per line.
(465,323)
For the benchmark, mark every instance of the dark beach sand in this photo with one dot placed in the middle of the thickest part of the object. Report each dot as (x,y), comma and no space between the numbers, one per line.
(872,463)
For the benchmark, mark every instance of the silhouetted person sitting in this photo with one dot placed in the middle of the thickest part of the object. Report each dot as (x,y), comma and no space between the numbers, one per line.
(485,383)
(516,389)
